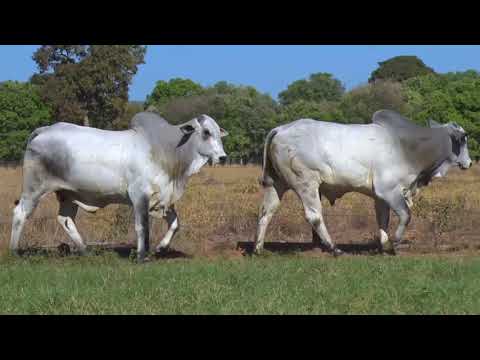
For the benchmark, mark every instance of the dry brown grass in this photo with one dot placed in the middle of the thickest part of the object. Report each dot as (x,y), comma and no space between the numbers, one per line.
(220,207)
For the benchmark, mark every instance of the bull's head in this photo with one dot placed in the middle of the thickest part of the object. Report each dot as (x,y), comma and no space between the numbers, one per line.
(458,137)
(206,137)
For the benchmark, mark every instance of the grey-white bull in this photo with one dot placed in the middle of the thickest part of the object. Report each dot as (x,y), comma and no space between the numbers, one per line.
(387,160)
(146,166)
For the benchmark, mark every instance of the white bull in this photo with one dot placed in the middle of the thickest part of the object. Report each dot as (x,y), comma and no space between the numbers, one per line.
(147,167)
(387,160)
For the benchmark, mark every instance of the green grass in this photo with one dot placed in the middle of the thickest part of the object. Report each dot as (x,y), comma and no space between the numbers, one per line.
(263,285)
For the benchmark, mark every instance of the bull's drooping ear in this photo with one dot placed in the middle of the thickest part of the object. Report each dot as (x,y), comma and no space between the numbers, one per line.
(433,123)
(187,129)
(223,132)
(456,133)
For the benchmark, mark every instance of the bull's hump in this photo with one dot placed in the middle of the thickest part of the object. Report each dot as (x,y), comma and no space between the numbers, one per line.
(393,120)
(147,121)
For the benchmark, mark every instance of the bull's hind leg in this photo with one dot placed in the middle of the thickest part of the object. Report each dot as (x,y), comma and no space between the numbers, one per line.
(66,217)
(312,205)
(316,240)
(271,201)
(33,188)
(382,211)
(22,211)
(172,221)
(403,212)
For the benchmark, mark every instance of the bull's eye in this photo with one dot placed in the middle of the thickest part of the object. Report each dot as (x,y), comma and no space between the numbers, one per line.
(206,134)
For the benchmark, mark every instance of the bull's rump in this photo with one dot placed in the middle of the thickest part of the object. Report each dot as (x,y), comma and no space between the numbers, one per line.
(82,159)
(347,156)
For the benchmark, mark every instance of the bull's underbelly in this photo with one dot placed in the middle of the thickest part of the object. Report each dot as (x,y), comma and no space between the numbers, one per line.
(351,176)
(91,202)
(368,183)
(336,191)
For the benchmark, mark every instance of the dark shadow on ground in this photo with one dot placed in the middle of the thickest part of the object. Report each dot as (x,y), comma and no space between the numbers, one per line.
(127,251)
(172,254)
(31,251)
(289,247)
(122,250)
(61,250)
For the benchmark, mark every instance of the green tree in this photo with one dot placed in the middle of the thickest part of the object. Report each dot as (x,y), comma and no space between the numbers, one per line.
(87,83)
(445,98)
(318,87)
(359,104)
(181,109)
(131,108)
(248,116)
(301,109)
(400,68)
(21,111)
(165,91)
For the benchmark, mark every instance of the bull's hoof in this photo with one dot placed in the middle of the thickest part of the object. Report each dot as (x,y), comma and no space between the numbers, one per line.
(257,250)
(83,252)
(15,253)
(390,251)
(336,252)
(321,246)
(403,245)
(64,249)
(142,258)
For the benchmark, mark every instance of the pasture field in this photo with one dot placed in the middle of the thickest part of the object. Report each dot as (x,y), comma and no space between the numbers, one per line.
(272,284)
(207,271)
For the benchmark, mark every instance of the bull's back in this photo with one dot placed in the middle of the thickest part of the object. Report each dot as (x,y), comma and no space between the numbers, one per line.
(84,159)
(337,154)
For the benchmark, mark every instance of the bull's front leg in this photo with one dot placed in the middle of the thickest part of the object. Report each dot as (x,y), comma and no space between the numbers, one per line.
(140,208)
(397,202)
(382,211)
(172,220)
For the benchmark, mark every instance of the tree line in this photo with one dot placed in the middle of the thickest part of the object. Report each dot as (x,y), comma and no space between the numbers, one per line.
(89,85)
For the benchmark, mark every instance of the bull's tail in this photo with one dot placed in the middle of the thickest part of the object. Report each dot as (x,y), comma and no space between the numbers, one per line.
(268,170)
(35,133)
(29,151)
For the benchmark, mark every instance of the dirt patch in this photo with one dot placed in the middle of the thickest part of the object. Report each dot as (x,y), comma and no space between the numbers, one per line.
(211,181)
(220,207)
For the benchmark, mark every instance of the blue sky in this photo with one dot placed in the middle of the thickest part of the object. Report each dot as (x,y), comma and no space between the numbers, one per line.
(270,68)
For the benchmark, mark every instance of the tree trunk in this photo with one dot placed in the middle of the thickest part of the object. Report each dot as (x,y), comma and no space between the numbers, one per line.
(86,122)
